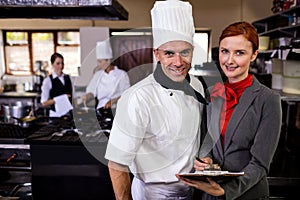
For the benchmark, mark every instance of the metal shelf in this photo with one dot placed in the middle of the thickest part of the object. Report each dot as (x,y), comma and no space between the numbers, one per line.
(282,31)
(277,25)
(283,14)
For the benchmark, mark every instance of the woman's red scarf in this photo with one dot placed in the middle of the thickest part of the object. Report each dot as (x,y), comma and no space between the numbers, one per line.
(232,94)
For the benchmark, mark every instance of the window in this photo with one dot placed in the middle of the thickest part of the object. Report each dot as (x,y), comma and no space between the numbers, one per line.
(17,54)
(201,50)
(68,46)
(24,48)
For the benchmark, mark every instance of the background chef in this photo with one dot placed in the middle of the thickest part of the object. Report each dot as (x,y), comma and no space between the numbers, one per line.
(108,82)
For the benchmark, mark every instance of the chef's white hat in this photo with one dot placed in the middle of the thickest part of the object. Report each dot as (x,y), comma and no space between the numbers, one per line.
(103,50)
(172,20)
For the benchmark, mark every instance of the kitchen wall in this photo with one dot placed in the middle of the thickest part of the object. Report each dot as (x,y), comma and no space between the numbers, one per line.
(215,14)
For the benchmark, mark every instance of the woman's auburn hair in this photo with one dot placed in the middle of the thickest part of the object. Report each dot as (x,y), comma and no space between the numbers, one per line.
(242,28)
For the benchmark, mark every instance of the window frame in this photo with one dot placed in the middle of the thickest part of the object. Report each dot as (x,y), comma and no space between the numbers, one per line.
(30,49)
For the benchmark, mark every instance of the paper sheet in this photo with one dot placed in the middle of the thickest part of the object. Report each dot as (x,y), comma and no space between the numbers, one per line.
(62,106)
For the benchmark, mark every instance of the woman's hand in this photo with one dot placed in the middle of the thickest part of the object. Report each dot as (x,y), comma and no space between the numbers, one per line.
(199,165)
(49,102)
(210,187)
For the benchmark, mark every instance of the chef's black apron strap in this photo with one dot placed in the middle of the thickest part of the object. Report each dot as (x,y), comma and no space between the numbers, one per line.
(184,86)
(204,112)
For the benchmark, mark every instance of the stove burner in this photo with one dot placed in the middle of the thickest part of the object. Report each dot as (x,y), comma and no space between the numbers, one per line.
(89,126)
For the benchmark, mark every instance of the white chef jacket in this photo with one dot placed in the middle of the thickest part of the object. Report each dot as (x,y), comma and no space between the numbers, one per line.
(106,86)
(156,131)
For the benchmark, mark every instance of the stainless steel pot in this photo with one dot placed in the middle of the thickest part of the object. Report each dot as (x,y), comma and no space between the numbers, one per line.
(17,111)
(28,86)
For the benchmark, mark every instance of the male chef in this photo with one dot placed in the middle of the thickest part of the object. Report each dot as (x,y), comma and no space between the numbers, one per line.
(156,131)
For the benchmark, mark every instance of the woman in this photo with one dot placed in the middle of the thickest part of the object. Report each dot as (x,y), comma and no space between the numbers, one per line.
(246,117)
(57,87)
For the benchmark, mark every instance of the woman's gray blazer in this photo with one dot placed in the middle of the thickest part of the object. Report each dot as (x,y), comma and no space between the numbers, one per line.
(251,139)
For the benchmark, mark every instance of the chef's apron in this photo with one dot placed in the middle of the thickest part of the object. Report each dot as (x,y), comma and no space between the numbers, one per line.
(160,191)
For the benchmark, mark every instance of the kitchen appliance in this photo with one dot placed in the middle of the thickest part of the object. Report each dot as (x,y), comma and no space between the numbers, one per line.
(263,43)
(291,68)
(61,158)
(295,42)
(15,162)
(39,75)
(277,71)
(28,87)
(10,87)
(291,85)
(13,112)
(15,156)
(291,77)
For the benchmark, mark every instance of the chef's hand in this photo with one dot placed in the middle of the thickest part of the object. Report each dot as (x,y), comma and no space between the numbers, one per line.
(211,187)
(86,97)
(111,102)
(108,104)
(200,165)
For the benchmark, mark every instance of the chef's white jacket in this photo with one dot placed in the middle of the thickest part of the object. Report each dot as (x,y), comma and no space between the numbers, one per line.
(156,131)
(106,86)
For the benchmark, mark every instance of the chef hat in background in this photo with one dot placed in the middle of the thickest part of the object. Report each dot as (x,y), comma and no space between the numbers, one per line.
(103,50)
(172,20)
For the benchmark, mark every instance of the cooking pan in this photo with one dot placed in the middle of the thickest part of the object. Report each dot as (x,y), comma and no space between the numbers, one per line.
(27,120)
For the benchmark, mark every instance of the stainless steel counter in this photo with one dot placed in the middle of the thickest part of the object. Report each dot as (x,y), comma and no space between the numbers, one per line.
(24,97)
(288,96)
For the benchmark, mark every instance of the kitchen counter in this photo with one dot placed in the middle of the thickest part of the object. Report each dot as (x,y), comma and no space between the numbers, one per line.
(67,158)
(288,96)
(69,172)
(19,95)
(25,97)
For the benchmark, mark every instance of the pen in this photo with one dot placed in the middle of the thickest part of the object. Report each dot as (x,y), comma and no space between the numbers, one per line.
(197,158)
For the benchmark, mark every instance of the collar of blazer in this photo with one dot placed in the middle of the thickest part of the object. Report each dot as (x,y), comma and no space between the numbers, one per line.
(241,108)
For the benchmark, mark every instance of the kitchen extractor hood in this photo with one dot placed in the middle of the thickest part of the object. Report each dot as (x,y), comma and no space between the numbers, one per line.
(63,9)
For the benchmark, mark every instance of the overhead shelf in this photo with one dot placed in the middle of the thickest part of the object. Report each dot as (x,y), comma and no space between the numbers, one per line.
(278,25)
(281,31)
(284,13)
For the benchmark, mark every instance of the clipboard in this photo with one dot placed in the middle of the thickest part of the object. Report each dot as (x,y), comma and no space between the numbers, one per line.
(215,175)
